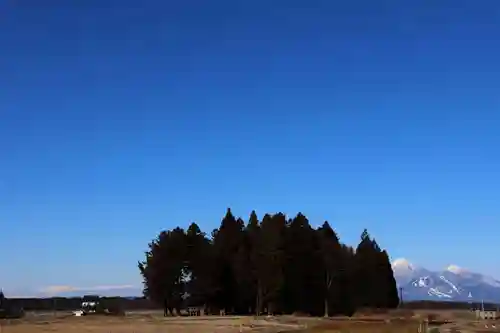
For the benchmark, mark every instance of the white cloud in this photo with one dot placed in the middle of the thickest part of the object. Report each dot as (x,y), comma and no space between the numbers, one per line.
(20,296)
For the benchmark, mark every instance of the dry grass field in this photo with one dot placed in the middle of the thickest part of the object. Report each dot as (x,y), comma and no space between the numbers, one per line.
(146,323)
(151,322)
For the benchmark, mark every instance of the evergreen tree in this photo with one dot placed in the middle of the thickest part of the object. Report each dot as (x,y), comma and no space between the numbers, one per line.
(163,270)
(199,265)
(375,282)
(330,250)
(386,274)
(347,281)
(227,241)
(243,273)
(270,261)
(252,233)
(278,265)
(303,267)
(365,262)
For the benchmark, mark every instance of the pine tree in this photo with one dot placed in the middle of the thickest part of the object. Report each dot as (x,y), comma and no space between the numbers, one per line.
(332,267)
(199,265)
(243,273)
(365,262)
(227,242)
(163,271)
(303,267)
(270,261)
(347,281)
(277,265)
(253,233)
(386,273)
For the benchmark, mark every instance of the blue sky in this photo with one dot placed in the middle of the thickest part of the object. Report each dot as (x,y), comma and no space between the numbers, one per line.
(120,119)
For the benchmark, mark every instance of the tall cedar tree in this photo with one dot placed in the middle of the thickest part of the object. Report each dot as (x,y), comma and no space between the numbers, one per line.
(270,261)
(303,267)
(331,260)
(199,265)
(163,270)
(227,242)
(364,260)
(387,279)
(243,272)
(375,286)
(276,265)
(347,282)
(252,235)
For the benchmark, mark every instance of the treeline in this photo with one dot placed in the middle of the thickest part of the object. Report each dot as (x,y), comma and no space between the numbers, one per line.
(273,265)
(74,303)
(139,303)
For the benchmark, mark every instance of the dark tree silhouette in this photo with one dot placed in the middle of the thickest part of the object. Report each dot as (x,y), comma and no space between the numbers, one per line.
(274,266)
(331,260)
(375,286)
(303,267)
(2,299)
(270,261)
(164,271)
(390,291)
(227,242)
(252,237)
(199,265)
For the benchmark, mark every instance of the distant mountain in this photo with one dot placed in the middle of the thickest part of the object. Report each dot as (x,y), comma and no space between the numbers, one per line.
(451,284)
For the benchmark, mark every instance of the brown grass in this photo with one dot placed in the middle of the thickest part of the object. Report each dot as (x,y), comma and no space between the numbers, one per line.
(145,323)
(365,327)
(151,322)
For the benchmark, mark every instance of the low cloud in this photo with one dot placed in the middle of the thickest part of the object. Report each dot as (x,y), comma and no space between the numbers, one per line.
(20,296)
(55,290)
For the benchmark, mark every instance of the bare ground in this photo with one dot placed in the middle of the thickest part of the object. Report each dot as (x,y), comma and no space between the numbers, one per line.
(152,322)
(147,323)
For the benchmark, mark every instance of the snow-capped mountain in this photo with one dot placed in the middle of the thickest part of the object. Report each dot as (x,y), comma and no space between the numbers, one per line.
(451,284)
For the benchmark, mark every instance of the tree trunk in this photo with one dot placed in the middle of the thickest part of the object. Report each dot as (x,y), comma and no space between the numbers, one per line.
(258,300)
(257,304)
(177,310)
(166,307)
(327,293)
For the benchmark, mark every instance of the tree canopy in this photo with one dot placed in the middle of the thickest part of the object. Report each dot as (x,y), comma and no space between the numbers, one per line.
(273,265)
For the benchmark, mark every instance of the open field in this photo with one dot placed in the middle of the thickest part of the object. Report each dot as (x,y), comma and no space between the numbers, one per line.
(146,323)
(153,321)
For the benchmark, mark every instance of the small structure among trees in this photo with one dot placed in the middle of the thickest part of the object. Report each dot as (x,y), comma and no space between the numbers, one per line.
(95,305)
(277,263)
(486,313)
(196,311)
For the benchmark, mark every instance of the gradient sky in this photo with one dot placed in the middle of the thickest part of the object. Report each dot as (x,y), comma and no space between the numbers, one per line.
(121,118)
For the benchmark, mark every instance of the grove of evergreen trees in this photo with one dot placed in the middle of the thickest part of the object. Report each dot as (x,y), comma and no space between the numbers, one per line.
(277,265)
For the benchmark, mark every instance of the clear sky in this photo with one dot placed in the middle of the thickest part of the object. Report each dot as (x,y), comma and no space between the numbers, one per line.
(121,118)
